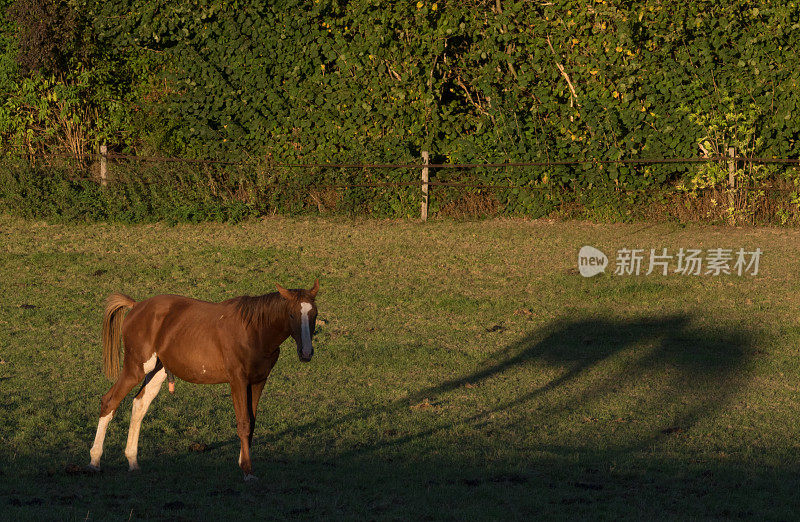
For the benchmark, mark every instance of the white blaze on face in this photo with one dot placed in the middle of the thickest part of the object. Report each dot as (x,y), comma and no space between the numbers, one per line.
(305,329)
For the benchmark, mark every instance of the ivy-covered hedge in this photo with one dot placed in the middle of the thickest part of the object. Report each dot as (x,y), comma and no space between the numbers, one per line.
(467,80)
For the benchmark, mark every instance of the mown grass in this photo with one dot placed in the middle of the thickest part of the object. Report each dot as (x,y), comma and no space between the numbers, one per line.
(462,370)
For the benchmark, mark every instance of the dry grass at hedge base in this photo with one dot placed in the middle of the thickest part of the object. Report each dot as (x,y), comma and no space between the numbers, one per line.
(472,204)
(772,205)
(326,199)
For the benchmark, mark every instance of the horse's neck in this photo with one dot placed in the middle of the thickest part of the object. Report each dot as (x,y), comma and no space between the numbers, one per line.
(268,318)
(269,339)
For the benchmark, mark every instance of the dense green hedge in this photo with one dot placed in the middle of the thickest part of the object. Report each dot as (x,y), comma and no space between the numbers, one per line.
(470,81)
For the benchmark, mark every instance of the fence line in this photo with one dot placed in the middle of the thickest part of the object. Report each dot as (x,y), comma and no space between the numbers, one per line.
(556,163)
(424,183)
(457,184)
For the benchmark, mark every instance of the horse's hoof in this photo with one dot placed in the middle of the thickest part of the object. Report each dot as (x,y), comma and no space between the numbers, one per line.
(133,467)
(91,468)
(250,478)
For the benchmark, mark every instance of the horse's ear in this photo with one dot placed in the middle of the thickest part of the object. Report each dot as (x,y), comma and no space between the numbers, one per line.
(314,289)
(284,292)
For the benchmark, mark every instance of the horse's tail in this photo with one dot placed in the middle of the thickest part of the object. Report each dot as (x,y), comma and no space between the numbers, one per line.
(112,332)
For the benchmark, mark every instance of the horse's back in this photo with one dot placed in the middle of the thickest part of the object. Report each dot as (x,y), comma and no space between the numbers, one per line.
(152,312)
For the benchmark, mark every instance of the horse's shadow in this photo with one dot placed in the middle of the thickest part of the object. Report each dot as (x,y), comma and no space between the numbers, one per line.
(676,364)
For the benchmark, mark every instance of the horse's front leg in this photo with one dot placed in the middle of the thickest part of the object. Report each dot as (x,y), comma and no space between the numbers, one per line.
(254,394)
(240,393)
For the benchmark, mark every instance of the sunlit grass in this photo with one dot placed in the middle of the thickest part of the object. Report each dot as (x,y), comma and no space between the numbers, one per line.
(462,369)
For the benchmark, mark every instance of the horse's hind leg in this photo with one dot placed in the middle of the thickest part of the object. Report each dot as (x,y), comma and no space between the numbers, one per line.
(108,405)
(140,405)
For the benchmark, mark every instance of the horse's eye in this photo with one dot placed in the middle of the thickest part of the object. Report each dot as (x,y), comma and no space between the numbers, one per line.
(291,316)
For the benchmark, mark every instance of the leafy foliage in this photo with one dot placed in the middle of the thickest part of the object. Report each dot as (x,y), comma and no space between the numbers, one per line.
(48,33)
(472,81)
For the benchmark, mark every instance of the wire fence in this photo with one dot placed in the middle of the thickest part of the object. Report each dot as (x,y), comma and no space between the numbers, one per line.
(103,162)
(733,159)
(550,163)
(118,157)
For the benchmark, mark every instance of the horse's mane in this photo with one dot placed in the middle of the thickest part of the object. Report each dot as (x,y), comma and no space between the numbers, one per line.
(259,310)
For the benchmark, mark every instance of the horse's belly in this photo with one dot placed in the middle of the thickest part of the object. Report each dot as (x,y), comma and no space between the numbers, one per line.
(194,358)
(203,371)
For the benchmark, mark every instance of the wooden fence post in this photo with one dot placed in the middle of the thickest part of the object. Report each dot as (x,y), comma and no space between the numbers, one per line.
(103,165)
(424,210)
(731,184)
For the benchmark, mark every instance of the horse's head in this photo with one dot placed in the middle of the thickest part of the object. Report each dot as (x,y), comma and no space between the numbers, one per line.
(302,317)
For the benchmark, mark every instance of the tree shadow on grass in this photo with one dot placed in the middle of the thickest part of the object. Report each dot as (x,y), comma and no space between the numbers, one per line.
(626,368)
(620,370)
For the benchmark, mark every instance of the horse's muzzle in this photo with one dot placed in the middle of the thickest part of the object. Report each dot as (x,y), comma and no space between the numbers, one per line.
(305,355)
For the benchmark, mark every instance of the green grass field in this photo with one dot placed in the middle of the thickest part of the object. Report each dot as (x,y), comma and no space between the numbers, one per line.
(463,370)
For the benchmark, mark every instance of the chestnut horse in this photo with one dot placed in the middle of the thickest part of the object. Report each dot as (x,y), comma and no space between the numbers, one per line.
(236,341)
